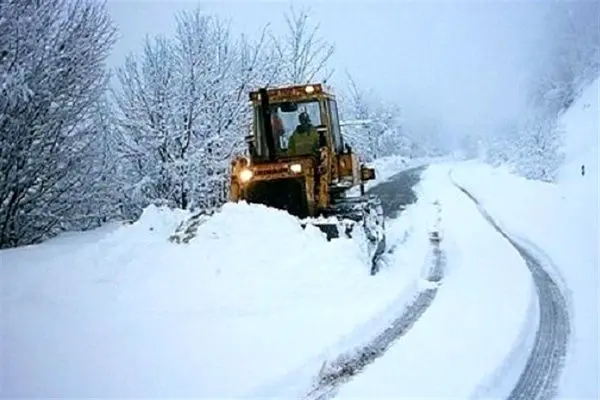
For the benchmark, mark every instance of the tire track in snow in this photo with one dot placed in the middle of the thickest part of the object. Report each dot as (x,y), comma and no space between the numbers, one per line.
(334,374)
(539,378)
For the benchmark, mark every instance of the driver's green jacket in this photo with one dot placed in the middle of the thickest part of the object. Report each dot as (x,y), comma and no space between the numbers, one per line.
(303,142)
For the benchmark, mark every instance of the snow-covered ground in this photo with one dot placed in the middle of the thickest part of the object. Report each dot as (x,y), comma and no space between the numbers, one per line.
(122,311)
(481,312)
(254,305)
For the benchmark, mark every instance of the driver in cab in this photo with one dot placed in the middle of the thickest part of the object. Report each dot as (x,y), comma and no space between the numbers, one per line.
(305,139)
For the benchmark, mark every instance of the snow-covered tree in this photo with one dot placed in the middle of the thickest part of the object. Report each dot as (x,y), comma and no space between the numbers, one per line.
(570,58)
(52,67)
(303,54)
(501,145)
(565,61)
(538,151)
(183,111)
(105,195)
(382,133)
(531,148)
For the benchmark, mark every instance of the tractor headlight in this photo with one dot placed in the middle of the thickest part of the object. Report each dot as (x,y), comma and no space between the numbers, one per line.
(246,175)
(296,168)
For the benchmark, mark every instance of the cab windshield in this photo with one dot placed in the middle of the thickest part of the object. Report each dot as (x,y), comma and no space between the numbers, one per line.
(285,119)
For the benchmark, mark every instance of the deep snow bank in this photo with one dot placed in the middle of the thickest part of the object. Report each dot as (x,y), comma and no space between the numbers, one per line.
(257,254)
(129,313)
(561,219)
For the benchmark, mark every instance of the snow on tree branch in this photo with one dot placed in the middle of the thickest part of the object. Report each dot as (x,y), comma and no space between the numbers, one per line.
(52,67)
(303,54)
(182,110)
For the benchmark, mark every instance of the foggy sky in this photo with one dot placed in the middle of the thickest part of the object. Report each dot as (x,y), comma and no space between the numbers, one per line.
(462,64)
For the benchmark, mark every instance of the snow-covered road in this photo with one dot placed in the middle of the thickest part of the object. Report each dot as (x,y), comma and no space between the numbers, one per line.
(335,373)
(524,361)
(540,375)
(407,236)
(482,311)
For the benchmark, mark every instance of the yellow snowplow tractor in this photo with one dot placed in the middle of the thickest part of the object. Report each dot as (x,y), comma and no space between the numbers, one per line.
(297,161)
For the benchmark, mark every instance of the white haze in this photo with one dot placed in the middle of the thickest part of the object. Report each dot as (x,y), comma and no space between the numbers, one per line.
(461,66)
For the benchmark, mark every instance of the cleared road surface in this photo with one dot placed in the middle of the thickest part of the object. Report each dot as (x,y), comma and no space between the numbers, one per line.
(395,194)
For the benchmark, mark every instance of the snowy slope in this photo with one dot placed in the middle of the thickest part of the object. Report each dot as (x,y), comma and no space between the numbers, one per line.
(124,312)
(582,125)
(562,220)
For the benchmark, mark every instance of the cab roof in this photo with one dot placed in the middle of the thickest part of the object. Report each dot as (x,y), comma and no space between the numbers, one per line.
(293,93)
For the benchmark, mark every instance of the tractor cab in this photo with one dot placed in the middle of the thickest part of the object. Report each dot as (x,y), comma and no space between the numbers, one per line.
(297,159)
(285,117)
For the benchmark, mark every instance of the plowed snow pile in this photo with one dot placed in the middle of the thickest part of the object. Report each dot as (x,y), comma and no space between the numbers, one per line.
(259,257)
(127,313)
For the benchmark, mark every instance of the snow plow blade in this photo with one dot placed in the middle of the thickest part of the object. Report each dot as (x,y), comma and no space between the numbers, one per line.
(359,219)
